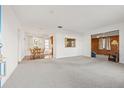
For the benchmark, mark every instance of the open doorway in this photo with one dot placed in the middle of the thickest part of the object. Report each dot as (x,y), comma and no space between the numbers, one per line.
(105,46)
(38,47)
(48,50)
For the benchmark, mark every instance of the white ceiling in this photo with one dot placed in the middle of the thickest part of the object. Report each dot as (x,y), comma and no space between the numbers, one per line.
(106,34)
(75,18)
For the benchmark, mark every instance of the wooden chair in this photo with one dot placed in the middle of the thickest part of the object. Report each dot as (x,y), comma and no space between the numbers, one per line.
(37,53)
(32,56)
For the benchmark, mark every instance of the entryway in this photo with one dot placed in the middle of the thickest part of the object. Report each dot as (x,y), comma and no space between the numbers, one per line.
(38,46)
(105,46)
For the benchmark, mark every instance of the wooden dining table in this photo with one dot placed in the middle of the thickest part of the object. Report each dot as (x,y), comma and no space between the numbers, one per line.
(36,53)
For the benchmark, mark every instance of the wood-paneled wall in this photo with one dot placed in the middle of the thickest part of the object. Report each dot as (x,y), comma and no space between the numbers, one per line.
(95,46)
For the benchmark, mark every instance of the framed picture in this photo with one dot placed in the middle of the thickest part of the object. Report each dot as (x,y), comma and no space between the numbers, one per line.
(70,42)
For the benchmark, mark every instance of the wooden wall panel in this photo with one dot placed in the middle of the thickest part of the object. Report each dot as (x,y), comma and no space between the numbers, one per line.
(95,46)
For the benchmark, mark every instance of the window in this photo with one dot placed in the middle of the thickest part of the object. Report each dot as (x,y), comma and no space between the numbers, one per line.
(47,44)
(104,43)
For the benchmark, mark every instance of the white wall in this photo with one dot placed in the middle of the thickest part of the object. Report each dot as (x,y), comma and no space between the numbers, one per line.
(61,51)
(10,26)
(21,45)
(87,38)
(86,45)
(121,42)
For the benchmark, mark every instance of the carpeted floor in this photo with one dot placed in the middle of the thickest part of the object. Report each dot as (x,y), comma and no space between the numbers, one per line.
(73,72)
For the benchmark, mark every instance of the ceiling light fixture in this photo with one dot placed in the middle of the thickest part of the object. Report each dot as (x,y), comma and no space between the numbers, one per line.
(60,27)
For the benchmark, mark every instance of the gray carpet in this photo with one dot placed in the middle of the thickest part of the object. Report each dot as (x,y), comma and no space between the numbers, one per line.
(73,72)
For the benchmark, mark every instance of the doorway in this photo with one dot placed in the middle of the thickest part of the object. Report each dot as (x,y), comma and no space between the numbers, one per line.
(105,46)
(39,47)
